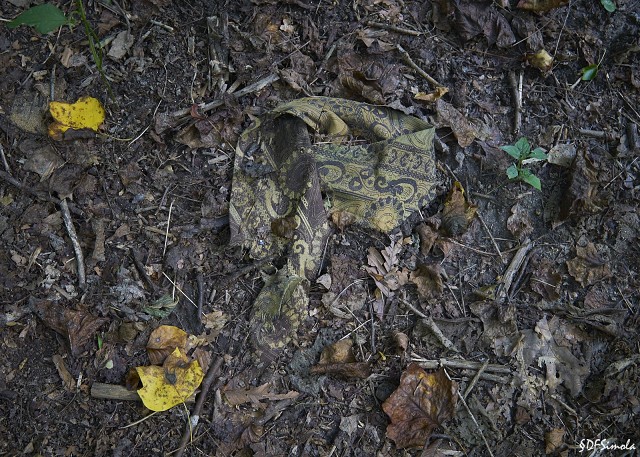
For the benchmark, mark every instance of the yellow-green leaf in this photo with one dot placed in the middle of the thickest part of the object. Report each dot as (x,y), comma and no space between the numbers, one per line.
(86,113)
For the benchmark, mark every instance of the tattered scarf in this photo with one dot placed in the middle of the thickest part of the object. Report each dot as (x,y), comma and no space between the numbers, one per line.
(372,162)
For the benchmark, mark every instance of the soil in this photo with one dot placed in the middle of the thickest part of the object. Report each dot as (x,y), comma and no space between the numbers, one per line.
(536,301)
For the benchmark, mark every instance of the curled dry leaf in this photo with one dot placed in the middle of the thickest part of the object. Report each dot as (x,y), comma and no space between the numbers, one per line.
(541,60)
(428,279)
(431,97)
(383,268)
(422,402)
(464,130)
(163,341)
(541,6)
(457,213)
(589,266)
(428,236)
(553,440)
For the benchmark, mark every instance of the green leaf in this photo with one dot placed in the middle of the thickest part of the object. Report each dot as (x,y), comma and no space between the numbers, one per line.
(589,72)
(530,178)
(523,145)
(609,5)
(512,172)
(538,153)
(512,151)
(44,18)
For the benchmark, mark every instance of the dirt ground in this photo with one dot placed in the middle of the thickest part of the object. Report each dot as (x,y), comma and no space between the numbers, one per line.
(533,309)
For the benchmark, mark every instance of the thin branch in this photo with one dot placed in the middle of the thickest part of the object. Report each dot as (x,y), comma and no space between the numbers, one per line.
(407,58)
(68,223)
(428,321)
(393,28)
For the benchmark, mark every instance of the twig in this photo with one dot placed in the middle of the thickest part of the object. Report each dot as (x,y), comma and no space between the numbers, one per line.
(166,233)
(512,269)
(516,87)
(14,182)
(598,134)
(4,160)
(474,381)
(493,240)
(197,409)
(458,364)
(486,443)
(141,271)
(428,321)
(394,28)
(68,223)
(173,283)
(470,248)
(620,174)
(200,280)
(264,82)
(407,58)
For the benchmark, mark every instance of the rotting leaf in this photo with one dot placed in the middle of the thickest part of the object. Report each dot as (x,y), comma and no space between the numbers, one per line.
(163,341)
(428,279)
(463,129)
(422,402)
(541,6)
(383,268)
(579,198)
(519,223)
(85,113)
(428,236)
(78,326)
(339,359)
(171,384)
(554,441)
(457,213)
(589,266)
(545,280)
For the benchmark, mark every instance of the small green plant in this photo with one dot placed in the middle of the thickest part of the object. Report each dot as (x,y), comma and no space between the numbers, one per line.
(608,5)
(521,151)
(46,18)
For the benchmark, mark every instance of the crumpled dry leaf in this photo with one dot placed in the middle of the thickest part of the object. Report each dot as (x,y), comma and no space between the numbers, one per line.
(589,266)
(383,268)
(457,213)
(163,341)
(78,326)
(553,441)
(548,345)
(253,395)
(541,6)
(431,97)
(428,279)
(579,198)
(371,37)
(541,60)
(421,403)
(339,359)
(428,236)
(463,129)
(85,113)
(171,384)
(545,280)
(473,18)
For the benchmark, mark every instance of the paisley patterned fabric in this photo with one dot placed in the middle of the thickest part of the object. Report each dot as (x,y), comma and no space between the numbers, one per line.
(371,161)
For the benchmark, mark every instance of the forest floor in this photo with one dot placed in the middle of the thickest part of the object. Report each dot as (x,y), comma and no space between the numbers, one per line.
(525,317)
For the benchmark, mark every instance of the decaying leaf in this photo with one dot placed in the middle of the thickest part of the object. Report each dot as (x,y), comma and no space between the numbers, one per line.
(428,236)
(463,129)
(580,196)
(85,113)
(541,6)
(473,18)
(589,266)
(457,213)
(553,441)
(254,395)
(499,324)
(421,403)
(546,280)
(171,384)
(548,346)
(383,268)
(78,326)
(541,60)
(163,341)
(428,279)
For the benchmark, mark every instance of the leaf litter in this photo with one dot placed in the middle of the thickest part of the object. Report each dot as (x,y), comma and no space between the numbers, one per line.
(565,331)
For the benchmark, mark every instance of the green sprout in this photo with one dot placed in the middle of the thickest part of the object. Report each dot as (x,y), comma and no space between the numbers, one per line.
(521,151)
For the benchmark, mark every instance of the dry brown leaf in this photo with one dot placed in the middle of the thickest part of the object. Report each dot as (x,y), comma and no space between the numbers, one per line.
(343,219)
(339,359)
(589,266)
(545,280)
(428,279)
(338,352)
(463,129)
(78,326)
(457,213)
(428,236)
(553,440)
(541,6)
(421,403)
(519,223)
(163,341)
(579,198)
(383,268)
(541,60)
(431,97)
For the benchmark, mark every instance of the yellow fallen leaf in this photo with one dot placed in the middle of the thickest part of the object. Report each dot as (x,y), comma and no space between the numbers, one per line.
(163,341)
(86,113)
(171,384)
